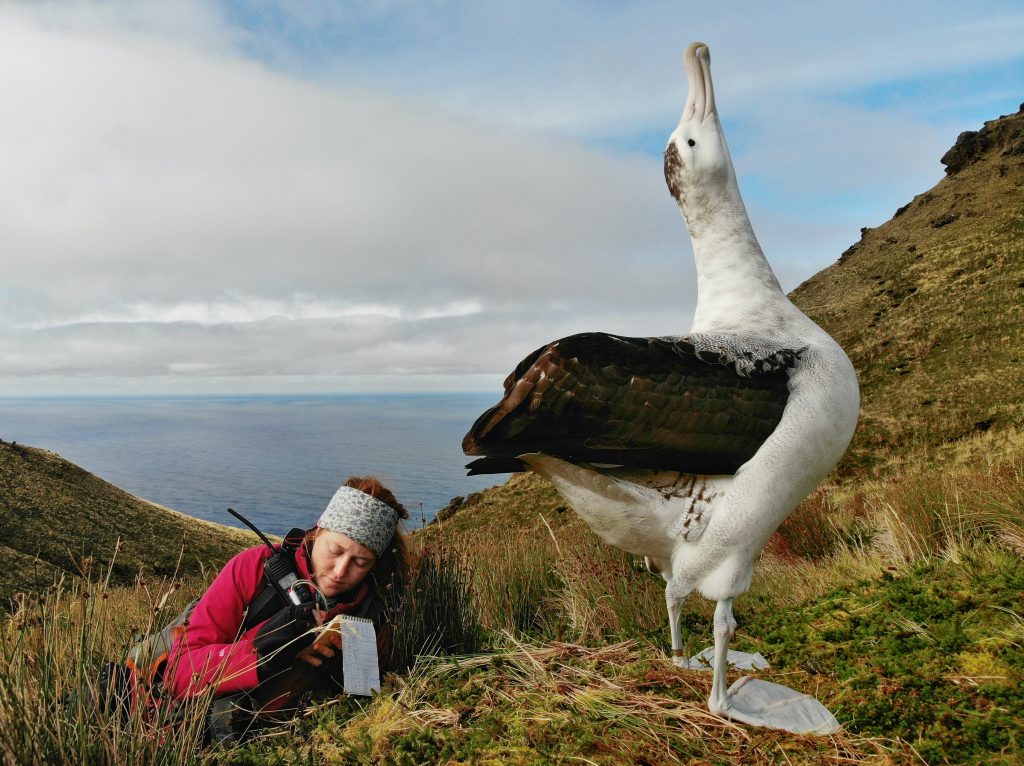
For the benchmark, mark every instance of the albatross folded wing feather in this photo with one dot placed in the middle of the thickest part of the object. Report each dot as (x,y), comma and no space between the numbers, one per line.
(668,403)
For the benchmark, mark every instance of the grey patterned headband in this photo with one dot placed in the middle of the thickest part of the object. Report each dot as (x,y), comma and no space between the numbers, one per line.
(362,517)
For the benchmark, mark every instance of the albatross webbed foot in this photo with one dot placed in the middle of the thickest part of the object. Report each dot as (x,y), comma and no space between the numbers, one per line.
(763,703)
(760,703)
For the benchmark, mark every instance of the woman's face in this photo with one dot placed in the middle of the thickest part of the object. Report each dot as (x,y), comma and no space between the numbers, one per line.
(339,562)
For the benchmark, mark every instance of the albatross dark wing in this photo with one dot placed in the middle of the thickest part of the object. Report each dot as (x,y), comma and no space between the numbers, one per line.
(637,402)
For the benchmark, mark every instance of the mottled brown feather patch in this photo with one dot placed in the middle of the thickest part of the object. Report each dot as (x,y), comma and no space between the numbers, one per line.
(673,171)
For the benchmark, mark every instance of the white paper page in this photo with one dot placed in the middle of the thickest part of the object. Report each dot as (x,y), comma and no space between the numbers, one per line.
(359,655)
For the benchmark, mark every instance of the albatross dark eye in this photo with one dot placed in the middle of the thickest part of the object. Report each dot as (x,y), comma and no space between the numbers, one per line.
(691,142)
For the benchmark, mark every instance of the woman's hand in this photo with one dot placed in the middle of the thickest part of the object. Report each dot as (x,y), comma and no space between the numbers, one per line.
(327,645)
(279,639)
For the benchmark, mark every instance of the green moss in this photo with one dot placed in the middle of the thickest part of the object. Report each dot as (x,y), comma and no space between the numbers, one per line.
(903,652)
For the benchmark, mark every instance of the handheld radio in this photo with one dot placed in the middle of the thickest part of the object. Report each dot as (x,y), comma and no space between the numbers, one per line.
(278,568)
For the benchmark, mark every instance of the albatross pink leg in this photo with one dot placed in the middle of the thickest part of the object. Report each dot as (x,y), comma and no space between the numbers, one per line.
(675,609)
(725,629)
(760,703)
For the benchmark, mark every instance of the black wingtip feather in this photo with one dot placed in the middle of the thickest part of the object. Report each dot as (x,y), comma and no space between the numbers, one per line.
(496,465)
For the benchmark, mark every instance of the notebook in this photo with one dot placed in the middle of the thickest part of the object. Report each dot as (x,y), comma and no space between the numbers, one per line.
(358,653)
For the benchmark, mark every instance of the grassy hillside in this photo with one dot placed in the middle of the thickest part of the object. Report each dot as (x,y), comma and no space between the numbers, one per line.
(930,305)
(893,593)
(56,515)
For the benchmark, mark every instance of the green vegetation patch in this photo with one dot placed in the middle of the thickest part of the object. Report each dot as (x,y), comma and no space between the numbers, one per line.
(934,656)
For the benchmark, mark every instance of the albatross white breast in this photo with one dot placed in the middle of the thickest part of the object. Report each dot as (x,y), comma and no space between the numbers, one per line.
(691,450)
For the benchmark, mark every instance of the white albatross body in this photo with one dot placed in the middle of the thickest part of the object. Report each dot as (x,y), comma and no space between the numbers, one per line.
(703,529)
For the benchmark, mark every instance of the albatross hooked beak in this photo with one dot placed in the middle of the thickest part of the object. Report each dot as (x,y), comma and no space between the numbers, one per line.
(700,101)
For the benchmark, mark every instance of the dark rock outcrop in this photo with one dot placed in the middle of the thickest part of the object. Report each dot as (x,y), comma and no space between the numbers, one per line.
(972,144)
(456,504)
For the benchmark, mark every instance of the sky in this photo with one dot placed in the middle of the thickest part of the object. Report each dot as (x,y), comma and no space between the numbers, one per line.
(298,196)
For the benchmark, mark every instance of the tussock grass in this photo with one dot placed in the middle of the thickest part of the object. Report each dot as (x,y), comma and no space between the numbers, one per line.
(859,532)
(560,703)
(927,515)
(513,584)
(437,615)
(52,646)
(563,584)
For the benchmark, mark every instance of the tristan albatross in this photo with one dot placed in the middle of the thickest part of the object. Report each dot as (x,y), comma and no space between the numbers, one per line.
(691,450)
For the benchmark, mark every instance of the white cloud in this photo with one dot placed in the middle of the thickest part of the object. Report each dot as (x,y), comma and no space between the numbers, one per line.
(177,211)
(193,202)
(242,310)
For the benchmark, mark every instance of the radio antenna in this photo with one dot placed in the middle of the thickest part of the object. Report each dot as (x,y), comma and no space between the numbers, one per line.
(252,526)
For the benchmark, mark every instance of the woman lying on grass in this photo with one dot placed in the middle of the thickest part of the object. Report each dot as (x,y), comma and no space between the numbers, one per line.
(355,557)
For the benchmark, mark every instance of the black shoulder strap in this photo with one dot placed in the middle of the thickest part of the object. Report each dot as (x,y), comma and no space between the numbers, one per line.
(266,604)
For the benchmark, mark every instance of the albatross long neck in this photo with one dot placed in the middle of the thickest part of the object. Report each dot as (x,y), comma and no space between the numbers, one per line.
(734,279)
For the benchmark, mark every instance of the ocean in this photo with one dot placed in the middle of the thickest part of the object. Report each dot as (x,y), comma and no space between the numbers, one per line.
(275,459)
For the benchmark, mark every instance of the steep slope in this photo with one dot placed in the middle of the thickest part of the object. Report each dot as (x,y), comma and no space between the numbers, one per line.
(55,515)
(930,305)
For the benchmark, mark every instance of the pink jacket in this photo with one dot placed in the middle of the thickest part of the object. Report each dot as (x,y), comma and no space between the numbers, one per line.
(211,652)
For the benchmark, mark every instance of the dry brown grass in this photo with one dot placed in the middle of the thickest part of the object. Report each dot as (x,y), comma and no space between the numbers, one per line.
(567,703)
(52,646)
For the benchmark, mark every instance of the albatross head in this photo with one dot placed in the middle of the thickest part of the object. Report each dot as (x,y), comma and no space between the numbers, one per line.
(697,157)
